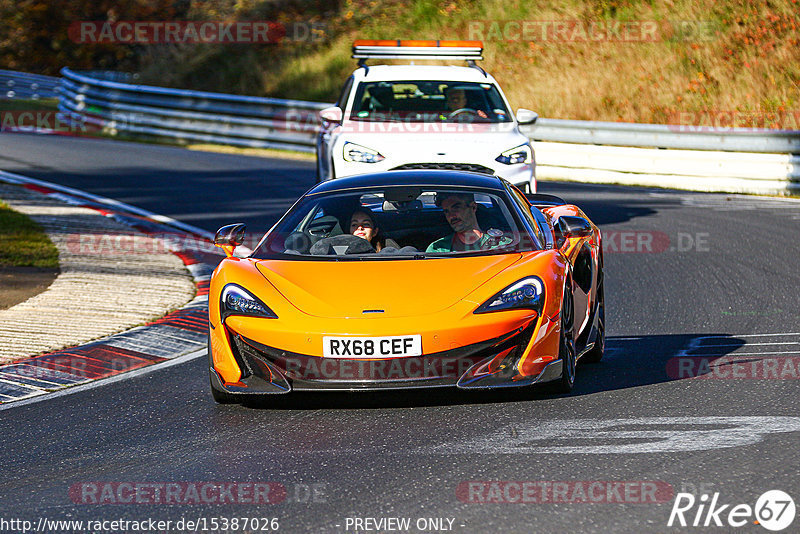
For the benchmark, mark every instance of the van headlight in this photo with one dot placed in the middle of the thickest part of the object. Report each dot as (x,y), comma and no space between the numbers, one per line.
(518,154)
(361,154)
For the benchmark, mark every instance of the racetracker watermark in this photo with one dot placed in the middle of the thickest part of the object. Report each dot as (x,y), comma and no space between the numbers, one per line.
(87,122)
(110,244)
(192,524)
(572,492)
(127,243)
(36,120)
(592,31)
(721,121)
(734,367)
(407,368)
(419,123)
(652,242)
(70,368)
(142,32)
(177,493)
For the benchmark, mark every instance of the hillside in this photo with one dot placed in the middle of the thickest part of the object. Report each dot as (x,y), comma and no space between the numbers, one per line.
(618,60)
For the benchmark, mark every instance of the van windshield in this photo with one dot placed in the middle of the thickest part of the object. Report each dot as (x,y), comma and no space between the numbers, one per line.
(429,101)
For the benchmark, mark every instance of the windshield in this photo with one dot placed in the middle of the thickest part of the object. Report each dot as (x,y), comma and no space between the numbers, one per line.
(429,101)
(398,222)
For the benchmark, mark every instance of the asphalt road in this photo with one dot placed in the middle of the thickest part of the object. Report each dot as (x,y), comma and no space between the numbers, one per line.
(708,276)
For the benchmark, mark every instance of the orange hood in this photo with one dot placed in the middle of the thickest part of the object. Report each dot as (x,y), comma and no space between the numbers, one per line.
(400,288)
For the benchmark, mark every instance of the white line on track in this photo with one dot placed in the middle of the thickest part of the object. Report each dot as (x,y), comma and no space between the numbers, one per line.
(729,355)
(727,336)
(749,344)
(640,435)
(106,381)
(19,179)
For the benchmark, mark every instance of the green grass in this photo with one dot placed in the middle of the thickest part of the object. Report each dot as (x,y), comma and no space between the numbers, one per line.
(23,243)
(23,104)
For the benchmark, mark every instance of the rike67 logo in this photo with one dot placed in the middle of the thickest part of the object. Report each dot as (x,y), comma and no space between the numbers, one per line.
(774,510)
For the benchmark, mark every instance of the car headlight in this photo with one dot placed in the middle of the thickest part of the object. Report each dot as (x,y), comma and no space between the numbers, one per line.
(518,154)
(236,300)
(527,293)
(361,154)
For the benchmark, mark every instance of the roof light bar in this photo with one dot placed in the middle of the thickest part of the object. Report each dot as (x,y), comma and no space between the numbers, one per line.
(414,49)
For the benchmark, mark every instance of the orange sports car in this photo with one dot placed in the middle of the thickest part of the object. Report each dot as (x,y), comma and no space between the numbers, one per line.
(408,279)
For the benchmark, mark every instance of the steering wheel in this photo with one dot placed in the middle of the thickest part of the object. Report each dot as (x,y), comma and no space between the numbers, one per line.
(495,237)
(461,111)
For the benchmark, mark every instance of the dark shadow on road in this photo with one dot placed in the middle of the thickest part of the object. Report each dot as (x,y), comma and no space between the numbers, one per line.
(604,205)
(628,363)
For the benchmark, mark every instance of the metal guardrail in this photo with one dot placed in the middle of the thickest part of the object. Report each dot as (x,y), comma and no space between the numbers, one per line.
(105,93)
(683,137)
(15,84)
(734,160)
(191,116)
(698,170)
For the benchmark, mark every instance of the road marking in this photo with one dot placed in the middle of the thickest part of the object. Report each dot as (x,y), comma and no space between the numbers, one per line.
(725,336)
(19,179)
(107,381)
(735,202)
(697,344)
(701,354)
(621,436)
(180,331)
(752,344)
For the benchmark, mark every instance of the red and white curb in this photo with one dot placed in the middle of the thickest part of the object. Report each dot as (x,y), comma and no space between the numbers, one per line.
(178,336)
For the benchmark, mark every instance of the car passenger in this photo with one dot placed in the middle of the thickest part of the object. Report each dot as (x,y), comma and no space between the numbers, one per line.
(362,224)
(460,210)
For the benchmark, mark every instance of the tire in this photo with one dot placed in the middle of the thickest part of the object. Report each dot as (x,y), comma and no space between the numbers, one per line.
(220,397)
(566,348)
(596,354)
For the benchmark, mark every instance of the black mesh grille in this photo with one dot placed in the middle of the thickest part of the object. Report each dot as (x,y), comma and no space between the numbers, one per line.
(243,349)
(445,166)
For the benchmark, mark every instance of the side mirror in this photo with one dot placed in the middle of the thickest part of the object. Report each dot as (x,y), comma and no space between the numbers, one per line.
(570,227)
(526,116)
(229,237)
(331,114)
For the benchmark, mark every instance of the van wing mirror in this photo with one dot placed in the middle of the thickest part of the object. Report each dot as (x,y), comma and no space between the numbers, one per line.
(526,116)
(331,114)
